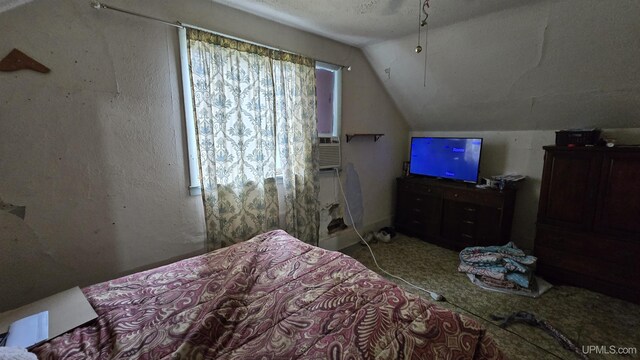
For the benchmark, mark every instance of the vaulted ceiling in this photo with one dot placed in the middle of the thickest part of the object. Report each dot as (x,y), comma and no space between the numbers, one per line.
(362,22)
(489,64)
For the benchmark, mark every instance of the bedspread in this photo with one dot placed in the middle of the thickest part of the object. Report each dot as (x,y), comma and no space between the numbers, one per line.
(272,297)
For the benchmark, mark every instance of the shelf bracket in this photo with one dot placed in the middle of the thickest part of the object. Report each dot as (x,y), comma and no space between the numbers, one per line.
(376,137)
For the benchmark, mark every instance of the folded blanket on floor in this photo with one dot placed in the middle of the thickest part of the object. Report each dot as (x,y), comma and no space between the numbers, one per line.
(498,273)
(503,284)
(498,262)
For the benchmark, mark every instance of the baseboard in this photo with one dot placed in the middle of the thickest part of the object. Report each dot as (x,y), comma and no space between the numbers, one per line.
(347,237)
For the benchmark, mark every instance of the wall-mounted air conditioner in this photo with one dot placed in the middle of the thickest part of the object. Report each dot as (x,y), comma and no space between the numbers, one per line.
(329,153)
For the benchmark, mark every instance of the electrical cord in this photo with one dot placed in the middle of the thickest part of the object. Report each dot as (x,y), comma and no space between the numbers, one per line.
(434,295)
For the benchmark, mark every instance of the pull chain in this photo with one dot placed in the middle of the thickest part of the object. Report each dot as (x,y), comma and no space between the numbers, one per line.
(425,6)
(426,52)
(419,48)
(423,22)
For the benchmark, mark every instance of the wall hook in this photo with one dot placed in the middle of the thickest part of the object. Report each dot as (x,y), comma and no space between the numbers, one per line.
(17,60)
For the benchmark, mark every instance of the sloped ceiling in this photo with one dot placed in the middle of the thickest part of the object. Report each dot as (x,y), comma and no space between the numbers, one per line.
(550,65)
(490,64)
(362,22)
(6,5)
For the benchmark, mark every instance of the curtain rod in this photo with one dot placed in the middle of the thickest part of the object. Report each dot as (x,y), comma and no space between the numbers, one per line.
(98,5)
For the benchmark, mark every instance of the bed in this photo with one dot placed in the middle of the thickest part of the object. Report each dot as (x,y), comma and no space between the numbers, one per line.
(271,297)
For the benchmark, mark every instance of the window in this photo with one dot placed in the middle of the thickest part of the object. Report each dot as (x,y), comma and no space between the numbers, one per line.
(251,103)
(328,93)
(328,99)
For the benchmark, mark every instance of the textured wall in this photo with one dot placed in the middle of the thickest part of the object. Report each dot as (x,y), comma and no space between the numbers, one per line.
(550,65)
(95,149)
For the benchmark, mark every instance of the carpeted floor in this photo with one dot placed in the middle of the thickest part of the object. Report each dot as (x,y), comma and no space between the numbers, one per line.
(586,317)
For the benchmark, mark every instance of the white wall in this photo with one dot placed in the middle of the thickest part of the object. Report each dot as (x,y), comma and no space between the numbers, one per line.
(521,152)
(95,149)
(549,65)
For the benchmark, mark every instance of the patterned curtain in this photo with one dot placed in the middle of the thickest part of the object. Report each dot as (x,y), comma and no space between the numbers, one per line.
(296,127)
(254,106)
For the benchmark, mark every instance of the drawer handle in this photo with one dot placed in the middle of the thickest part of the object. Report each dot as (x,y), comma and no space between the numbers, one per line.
(469,222)
(418,199)
(455,195)
(416,210)
(470,209)
(467,236)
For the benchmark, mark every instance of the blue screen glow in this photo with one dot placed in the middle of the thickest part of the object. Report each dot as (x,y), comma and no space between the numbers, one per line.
(457,159)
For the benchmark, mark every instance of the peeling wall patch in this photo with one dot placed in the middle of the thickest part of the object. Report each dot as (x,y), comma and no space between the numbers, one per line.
(16,210)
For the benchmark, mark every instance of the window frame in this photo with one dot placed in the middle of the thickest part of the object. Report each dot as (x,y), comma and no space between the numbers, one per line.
(195,187)
(337,97)
(192,147)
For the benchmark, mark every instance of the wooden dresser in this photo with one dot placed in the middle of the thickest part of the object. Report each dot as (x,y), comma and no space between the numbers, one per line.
(588,230)
(453,215)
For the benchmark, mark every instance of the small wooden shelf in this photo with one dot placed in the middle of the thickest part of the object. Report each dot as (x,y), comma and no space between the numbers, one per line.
(375,136)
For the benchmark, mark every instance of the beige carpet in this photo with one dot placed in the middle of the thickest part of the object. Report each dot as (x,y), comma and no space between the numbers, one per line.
(586,317)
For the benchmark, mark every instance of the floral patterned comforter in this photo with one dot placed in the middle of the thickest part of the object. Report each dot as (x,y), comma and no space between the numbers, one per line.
(272,297)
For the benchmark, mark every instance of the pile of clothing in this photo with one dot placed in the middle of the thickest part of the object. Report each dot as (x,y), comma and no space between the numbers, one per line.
(499,268)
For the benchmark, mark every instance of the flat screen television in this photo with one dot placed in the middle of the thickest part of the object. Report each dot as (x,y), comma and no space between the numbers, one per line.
(447,158)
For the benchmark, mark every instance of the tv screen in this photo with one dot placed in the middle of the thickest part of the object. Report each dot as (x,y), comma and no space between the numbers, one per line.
(447,158)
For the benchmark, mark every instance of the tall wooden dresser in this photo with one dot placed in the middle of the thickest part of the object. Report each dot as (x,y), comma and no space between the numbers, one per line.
(588,230)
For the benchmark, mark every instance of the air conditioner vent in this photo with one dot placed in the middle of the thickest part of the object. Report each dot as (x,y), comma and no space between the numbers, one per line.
(329,154)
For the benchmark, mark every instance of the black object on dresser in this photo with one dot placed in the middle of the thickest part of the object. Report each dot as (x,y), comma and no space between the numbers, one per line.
(588,230)
(453,215)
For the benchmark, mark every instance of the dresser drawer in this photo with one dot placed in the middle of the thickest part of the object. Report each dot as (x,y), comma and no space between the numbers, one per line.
(419,188)
(411,203)
(412,226)
(459,223)
(418,211)
(590,267)
(452,214)
(479,197)
(590,245)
